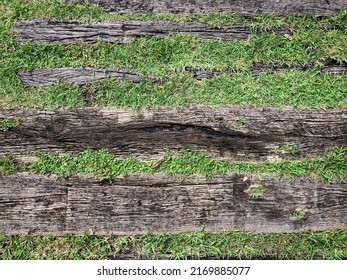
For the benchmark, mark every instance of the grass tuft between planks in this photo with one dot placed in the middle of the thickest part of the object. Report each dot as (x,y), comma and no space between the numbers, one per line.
(7,124)
(105,166)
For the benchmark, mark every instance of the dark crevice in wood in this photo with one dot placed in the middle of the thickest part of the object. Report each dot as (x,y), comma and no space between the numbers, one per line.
(147,133)
(139,203)
(330,66)
(248,7)
(68,32)
(162,127)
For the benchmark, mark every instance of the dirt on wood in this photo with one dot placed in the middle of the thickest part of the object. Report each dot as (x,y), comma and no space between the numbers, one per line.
(139,203)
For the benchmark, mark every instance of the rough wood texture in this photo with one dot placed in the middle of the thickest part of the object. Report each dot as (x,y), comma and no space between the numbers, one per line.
(77,76)
(139,203)
(330,66)
(245,7)
(64,32)
(25,206)
(146,133)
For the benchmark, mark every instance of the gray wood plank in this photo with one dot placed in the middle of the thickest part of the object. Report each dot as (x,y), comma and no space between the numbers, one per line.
(139,203)
(147,133)
(245,7)
(68,32)
(329,67)
(78,76)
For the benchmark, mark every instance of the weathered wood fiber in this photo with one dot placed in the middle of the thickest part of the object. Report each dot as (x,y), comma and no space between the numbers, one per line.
(77,76)
(245,7)
(146,133)
(329,67)
(67,32)
(139,203)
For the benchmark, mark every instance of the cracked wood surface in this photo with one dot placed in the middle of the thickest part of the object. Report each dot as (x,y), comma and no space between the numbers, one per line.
(147,133)
(139,203)
(68,32)
(79,76)
(244,7)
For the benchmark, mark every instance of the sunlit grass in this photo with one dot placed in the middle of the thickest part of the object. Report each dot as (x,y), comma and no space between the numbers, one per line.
(326,245)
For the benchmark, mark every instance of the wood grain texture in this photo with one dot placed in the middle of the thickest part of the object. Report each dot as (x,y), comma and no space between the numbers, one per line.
(147,133)
(68,32)
(330,67)
(78,76)
(139,203)
(26,207)
(245,7)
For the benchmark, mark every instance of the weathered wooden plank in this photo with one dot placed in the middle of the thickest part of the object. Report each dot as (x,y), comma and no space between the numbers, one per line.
(68,32)
(240,132)
(245,7)
(139,203)
(329,67)
(79,76)
(25,207)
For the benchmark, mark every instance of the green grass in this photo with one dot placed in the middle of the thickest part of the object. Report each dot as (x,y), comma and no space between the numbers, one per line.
(162,57)
(7,124)
(8,166)
(285,149)
(104,166)
(298,214)
(314,39)
(59,9)
(255,191)
(327,245)
(296,89)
